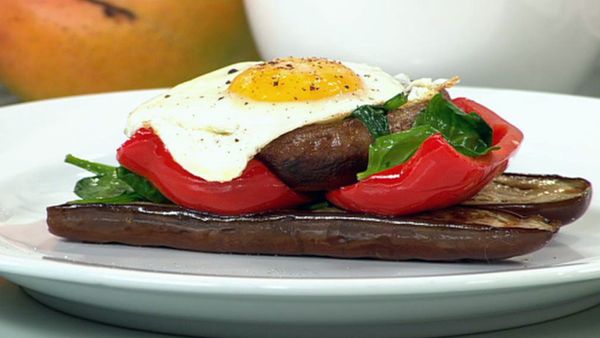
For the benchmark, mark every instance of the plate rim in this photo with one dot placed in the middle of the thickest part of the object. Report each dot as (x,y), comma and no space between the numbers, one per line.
(80,273)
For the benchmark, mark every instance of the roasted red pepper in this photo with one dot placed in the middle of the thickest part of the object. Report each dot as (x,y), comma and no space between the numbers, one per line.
(436,176)
(256,190)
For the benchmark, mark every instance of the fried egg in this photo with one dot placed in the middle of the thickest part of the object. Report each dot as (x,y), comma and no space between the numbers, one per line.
(214,124)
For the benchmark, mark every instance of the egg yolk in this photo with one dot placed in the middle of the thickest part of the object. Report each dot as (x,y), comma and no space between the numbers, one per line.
(295,79)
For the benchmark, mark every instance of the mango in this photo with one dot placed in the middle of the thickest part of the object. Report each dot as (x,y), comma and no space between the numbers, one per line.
(51,48)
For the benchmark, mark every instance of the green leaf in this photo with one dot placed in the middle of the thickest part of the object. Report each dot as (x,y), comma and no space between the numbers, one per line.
(141,186)
(391,150)
(121,199)
(318,205)
(468,133)
(395,102)
(374,118)
(96,168)
(112,185)
(105,186)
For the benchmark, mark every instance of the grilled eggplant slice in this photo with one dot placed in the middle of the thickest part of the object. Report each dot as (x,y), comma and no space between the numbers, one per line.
(445,235)
(554,197)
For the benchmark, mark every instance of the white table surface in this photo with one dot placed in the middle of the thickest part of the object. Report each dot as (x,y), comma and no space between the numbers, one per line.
(23,317)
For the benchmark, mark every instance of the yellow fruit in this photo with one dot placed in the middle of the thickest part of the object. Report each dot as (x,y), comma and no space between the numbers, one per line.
(53,48)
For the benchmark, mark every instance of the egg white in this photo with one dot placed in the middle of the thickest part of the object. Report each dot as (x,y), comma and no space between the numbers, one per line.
(213,134)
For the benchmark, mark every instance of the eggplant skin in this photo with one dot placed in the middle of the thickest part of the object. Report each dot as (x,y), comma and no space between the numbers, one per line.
(445,235)
(564,199)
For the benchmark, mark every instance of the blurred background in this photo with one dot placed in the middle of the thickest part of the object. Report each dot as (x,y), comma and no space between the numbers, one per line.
(53,48)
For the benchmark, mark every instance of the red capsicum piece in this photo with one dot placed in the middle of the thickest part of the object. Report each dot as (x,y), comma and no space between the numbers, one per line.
(436,176)
(256,190)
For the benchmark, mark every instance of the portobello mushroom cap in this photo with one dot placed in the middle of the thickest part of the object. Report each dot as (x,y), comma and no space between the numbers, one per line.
(321,157)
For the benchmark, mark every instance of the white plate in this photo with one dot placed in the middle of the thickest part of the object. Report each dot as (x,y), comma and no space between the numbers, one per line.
(236,295)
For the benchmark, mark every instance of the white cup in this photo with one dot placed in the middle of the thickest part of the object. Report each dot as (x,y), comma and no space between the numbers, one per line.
(548,45)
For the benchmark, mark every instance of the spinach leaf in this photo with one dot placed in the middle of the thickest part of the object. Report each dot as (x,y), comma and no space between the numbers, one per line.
(121,199)
(112,185)
(141,185)
(469,134)
(104,186)
(374,117)
(396,102)
(94,167)
(318,205)
(394,149)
